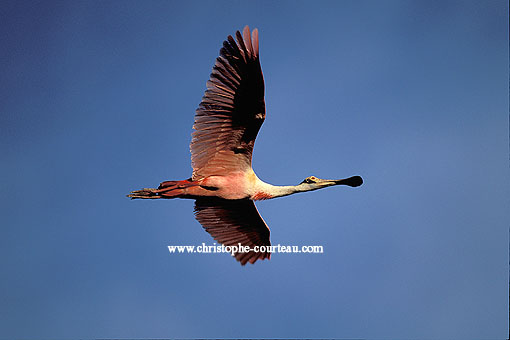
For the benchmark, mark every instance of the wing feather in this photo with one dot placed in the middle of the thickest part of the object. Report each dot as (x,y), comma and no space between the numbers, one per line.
(232,110)
(234,221)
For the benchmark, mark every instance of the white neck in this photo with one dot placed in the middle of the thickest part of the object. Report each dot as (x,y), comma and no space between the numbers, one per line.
(264,190)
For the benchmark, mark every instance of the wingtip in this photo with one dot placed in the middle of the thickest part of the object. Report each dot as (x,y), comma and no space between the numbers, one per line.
(255,41)
(247,40)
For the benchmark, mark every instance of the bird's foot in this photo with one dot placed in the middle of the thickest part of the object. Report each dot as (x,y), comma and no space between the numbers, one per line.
(144,193)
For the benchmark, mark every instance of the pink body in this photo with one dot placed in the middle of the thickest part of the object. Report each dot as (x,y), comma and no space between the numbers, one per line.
(237,185)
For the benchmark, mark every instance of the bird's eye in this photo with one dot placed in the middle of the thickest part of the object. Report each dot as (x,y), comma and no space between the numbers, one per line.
(309,180)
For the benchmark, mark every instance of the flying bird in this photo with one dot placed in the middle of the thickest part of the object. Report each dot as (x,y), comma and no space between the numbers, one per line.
(226,124)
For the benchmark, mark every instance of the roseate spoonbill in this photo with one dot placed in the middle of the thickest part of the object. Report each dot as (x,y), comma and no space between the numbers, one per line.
(223,183)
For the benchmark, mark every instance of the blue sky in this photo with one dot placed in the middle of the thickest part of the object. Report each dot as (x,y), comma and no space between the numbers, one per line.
(98,98)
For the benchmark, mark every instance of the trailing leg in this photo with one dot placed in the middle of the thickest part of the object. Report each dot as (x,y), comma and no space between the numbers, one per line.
(167,189)
(144,193)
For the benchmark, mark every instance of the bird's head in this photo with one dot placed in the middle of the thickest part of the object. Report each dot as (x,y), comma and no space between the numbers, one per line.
(314,183)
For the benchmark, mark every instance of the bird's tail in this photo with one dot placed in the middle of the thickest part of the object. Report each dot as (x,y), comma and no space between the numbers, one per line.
(167,189)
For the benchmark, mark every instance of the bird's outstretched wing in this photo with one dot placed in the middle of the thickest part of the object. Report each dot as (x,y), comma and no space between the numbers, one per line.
(232,110)
(234,221)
